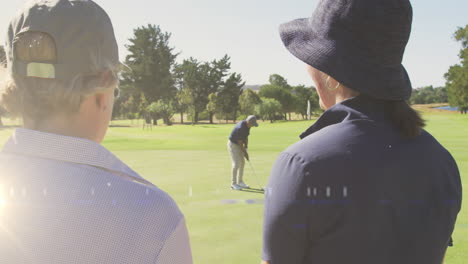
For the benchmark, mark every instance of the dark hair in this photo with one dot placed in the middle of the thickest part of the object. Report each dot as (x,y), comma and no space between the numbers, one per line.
(407,120)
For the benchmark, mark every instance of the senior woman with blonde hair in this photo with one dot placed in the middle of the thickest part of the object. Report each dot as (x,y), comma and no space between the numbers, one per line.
(366,184)
(64,197)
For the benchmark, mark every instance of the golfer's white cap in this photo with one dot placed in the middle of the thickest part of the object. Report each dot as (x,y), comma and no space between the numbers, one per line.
(252,120)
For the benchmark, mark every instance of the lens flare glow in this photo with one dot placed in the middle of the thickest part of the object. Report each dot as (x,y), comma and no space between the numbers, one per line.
(3,205)
(3,201)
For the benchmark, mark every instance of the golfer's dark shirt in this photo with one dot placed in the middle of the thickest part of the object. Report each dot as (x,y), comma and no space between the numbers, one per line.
(353,191)
(240,132)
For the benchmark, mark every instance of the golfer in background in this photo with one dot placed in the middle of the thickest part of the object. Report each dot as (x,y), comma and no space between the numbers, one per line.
(237,146)
(366,184)
(64,198)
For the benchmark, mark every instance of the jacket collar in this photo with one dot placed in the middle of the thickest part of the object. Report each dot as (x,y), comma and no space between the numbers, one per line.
(359,107)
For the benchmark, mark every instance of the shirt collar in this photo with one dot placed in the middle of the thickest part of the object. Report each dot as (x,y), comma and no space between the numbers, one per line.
(359,107)
(66,149)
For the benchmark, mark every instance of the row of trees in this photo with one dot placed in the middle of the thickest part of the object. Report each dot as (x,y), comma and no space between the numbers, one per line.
(155,86)
(429,95)
(289,99)
(457,76)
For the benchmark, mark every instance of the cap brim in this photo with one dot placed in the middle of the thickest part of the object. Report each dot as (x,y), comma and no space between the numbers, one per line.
(334,58)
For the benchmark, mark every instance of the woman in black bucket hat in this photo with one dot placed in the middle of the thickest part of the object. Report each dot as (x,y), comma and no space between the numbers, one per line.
(365,184)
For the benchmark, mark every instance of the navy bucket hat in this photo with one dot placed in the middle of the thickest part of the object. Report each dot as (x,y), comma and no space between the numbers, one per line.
(360,43)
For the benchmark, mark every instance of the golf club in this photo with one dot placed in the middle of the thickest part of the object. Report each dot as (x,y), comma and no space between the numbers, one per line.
(256,176)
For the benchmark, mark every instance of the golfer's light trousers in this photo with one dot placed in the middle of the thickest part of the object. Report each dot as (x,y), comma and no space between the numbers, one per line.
(238,162)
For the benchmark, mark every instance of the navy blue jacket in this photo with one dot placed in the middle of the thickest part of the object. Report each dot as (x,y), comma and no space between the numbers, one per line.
(354,191)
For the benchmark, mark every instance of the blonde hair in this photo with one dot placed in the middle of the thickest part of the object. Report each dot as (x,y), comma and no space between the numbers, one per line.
(37,99)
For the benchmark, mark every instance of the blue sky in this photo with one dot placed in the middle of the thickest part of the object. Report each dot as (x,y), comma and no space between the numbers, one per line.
(247,31)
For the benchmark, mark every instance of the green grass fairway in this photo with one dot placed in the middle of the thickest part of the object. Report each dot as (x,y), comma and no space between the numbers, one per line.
(192,164)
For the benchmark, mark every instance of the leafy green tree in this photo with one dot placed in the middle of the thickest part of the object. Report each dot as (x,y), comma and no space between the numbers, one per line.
(212,78)
(429,95)
(212,106)
(151,112)
(151,60)
(117,111)
(457,76)
(441,95)
(142,104)
(280,90)
(280,94)
(228,97)
(162,109)
(247,102)
(182,103)
(278,80)
(121,108)
(190,84)
(130,108)
(457,87)
(216,71)
(201,79)
(302,96)
(268,109)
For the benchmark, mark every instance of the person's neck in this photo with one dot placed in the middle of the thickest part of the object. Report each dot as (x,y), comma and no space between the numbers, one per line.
(66,126)
(345,95)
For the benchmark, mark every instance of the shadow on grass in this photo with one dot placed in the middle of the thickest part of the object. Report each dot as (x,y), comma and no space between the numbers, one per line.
(252,190)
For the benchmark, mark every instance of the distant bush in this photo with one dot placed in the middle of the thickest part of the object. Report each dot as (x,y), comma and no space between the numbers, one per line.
(269,109)
(429,95)
(202,116)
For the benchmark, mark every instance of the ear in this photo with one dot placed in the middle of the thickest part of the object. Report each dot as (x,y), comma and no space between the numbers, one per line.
(101,101)
(105,79)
